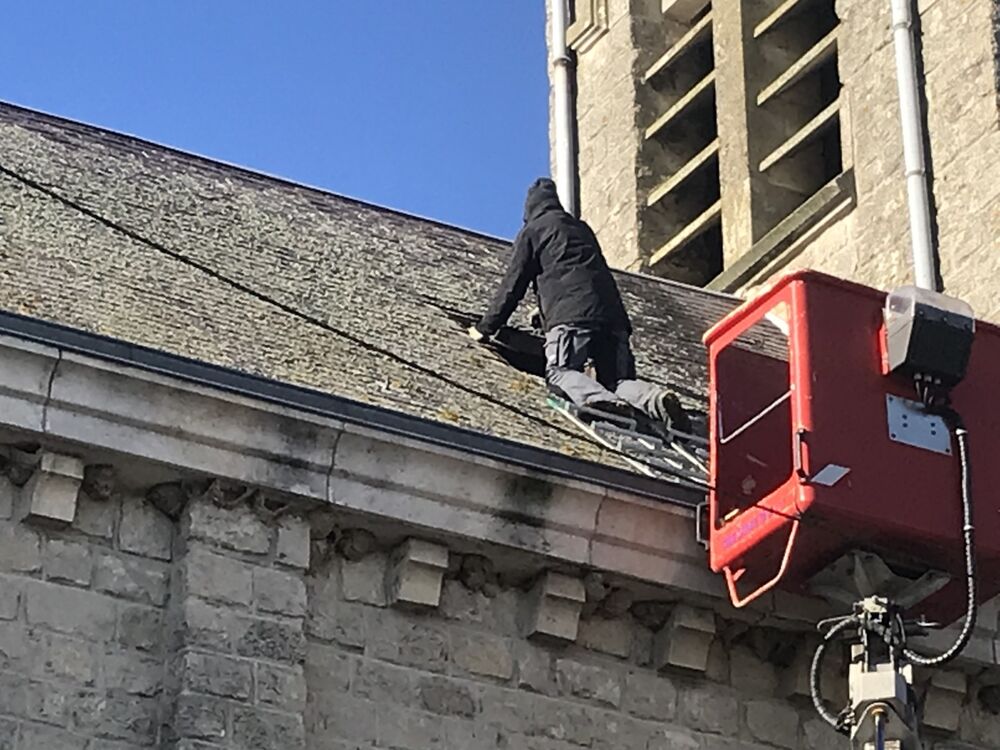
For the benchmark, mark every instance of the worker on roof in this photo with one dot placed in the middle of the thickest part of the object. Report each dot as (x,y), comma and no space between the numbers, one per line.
(581,312)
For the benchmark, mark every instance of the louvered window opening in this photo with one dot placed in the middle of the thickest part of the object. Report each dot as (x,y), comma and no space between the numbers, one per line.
(681,220)
(798,140)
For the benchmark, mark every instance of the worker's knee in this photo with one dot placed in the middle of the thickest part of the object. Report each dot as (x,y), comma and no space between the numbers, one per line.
(555,377)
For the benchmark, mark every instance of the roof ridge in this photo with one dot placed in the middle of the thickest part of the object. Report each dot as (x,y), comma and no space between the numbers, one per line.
(246,172)
(252,175)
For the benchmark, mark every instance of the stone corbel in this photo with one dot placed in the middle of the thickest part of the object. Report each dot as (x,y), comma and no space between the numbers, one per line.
(943,700)
(415,572)
(552,608)
(685,640)
(50,495)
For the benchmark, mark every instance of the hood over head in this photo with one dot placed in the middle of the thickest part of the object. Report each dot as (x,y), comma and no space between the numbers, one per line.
(542,197)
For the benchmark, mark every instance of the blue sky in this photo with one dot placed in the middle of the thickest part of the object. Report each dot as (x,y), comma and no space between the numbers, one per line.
(436,107)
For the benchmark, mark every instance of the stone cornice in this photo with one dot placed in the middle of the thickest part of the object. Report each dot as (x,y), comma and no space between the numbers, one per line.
(72,399)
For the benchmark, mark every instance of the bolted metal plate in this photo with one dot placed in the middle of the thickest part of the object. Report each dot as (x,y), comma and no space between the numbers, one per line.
(911,425)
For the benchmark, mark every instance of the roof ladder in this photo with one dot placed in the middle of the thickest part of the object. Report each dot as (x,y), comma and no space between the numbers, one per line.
(674,456)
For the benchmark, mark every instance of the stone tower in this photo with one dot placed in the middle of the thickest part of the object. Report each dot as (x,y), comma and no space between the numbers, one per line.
(720,143)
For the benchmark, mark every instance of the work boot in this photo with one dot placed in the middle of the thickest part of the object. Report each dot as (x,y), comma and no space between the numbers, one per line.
(667,408)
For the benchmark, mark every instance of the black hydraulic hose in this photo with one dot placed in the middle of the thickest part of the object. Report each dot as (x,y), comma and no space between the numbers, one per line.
(969,624)
(816,669)
(969,539)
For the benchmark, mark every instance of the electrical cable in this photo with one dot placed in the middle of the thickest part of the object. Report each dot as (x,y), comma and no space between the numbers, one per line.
(969,540)
(269,300)
(816,669)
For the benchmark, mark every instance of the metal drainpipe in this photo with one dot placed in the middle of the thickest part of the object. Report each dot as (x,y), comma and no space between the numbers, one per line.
(565,148)
(914,159)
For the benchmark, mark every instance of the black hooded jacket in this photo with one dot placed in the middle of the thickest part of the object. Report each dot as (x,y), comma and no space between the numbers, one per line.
(560,257)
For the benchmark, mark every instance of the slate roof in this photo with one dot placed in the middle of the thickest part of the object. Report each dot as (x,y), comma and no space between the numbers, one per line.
(398,289)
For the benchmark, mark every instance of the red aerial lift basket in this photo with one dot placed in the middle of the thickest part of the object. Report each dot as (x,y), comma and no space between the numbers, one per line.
(817,453)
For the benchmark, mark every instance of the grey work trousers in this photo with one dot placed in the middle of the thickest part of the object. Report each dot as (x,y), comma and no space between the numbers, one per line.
(568,350)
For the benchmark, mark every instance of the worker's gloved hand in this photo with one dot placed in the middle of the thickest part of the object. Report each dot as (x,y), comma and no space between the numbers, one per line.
(476,335)
(535,319)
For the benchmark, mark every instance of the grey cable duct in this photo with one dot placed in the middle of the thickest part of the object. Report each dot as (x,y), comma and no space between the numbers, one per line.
(914,159)
(562,109)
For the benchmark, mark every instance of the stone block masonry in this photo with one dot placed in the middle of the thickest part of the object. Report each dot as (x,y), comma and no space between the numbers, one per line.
(236,624)
(121,628)
(466,676)
(82,612)
(237,619)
